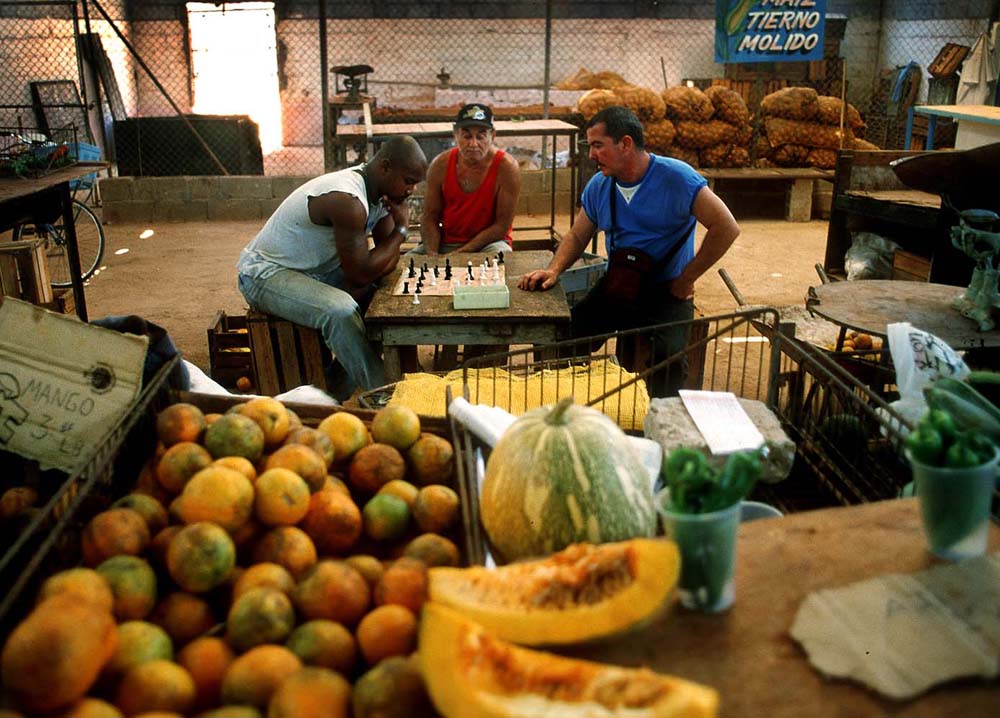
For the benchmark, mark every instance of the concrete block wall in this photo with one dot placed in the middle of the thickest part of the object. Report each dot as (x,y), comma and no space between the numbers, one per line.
(201,199)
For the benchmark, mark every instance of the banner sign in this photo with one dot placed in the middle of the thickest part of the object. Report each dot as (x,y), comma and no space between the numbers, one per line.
(769,30)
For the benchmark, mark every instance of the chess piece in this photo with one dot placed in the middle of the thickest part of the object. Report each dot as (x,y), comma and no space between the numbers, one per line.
(406,287)
(436,275)
(487,262)
(424,268)
(434,280)
(499,257)
(411,273)
(471,277)
(416,297)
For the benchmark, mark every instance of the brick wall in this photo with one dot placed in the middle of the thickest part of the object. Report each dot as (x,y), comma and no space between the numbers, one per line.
(200,199)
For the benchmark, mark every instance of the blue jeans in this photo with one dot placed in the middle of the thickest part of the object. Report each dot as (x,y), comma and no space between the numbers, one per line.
(317,303)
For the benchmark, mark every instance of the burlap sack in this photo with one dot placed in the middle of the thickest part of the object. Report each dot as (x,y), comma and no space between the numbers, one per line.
(761,147)
(860,144)
(682,153)
(724,155)
(658,135)
(822,158)
(790,155)
(647,105)
(729,105)
(794,103)
(687,103)
(593,101)
(828,113)
(744,134)
(695,135)
(811,134)
(583,79)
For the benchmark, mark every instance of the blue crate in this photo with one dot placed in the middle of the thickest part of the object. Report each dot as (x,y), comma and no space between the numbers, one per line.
(83,152)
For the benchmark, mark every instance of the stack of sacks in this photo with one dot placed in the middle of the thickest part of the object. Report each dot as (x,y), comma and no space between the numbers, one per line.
(713,127)
(802,129)
(585,80)
(647,105)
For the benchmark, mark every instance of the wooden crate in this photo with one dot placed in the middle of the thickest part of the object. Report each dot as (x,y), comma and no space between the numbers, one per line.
(910,267)
(24,271)
(948,60)
(229,350)
(285,355)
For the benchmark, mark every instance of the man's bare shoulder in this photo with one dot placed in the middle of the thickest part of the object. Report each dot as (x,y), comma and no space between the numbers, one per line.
(509,168)
(338,209)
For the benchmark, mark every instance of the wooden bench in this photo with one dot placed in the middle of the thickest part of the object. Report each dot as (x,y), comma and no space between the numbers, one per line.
(285,355)
(798,181)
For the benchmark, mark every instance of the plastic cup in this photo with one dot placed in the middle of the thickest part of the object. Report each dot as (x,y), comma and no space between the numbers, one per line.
(955,506)
(707,544)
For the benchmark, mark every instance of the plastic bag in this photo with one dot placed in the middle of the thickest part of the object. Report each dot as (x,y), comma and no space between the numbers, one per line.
(870,257)
(920,359)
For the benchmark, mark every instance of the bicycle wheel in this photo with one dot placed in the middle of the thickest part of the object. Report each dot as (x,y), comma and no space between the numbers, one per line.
(89,241)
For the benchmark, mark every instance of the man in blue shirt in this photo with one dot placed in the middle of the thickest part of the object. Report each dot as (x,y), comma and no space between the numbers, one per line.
(647,203)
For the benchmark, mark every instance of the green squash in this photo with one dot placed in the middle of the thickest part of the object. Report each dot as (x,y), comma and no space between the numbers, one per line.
(563,474)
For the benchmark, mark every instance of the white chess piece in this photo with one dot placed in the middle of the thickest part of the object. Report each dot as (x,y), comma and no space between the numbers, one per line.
(416,299)
(434,280)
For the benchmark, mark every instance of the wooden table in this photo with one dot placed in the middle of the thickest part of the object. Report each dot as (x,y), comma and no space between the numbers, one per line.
(871,305)
(747,654)
(799,181)
(39,201)
(503,128)
(531,318)
(977,124)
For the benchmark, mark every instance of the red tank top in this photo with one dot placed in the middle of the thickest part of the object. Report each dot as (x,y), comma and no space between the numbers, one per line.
(466,214)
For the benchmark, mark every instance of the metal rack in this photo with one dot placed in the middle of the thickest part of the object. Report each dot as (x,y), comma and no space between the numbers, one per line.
(848,438)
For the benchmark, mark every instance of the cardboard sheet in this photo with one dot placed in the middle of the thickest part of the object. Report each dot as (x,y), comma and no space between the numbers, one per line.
(64,385)
(902,634)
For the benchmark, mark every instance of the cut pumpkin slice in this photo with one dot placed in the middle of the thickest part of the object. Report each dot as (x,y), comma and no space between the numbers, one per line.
(469,672)
(581,593)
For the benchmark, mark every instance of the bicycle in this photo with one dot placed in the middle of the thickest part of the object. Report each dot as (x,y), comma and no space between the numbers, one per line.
(90,239)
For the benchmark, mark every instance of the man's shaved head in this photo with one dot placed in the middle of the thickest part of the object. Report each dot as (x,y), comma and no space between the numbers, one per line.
(402,151)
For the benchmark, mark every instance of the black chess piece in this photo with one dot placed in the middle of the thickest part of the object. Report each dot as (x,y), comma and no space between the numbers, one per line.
(470,272)
(499,257)
(424,268)
(436,274)
(418,288)
(406,287)
(447,263)
(488,265)
(411,273)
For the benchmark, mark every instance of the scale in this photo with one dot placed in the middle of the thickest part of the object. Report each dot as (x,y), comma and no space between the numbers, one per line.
(350,83)
(352,80)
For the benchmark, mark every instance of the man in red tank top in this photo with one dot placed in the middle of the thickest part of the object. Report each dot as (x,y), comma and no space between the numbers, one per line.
(471,191)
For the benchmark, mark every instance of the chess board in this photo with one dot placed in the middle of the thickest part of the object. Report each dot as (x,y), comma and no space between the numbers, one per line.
(441,287)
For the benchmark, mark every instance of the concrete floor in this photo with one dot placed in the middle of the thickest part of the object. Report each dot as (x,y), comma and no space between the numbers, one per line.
(183,274)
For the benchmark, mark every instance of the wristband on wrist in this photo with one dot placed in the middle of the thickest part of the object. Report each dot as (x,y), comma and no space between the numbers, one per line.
(404,231)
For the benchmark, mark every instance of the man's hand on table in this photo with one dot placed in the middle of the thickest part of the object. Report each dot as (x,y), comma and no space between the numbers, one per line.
(538,280)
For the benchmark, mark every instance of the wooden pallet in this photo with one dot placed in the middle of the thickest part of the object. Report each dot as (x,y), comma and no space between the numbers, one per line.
(229,350)
(285,355)
(948,60)
(24,271)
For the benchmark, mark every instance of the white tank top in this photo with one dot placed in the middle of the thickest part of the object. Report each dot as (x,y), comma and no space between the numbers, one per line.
(290,240)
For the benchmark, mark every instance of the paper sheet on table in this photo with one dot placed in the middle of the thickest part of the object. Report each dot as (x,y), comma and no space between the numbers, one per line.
(722,421)
(901,634)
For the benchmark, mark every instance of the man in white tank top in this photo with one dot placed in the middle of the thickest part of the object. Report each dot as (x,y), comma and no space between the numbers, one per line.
(311,262)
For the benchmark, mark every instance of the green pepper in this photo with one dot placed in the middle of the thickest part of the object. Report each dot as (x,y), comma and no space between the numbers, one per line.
(925,444)
(943,422)
(738,477)
(696,487)
(981,444)
(969,449)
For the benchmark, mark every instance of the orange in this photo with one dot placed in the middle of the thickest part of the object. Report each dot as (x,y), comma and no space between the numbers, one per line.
(160,543)
(303,461)
(138,642)
(233,434)
(82,584)
(217,494)
(112,533)
(238,463)
(386,517)
(183,616)
(158,685)
(346,432)
(294,421)
(315,440)
(264,575)
(374,466)
(15,500)
(433,550)
(311,693)
(403,583)
(180,422)
(149,484)
(324,643)
(54,655)
(389,630)
(253,678)
(392,689)
(335,483)
(206,659)
(333,590)
(370,568)
(287,546)
(179,463)
(431,460)
(271,416)
(151,510)
(89,707)
(133,585)
(282,497)
(403,489)
(200,557)
(333,520)
(397,425)
(259,615)
(436,508)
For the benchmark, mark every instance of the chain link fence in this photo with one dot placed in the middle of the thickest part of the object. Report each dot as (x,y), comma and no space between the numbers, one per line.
(248,77)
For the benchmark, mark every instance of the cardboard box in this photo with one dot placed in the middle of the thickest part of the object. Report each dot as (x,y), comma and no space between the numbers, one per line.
(64,385)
